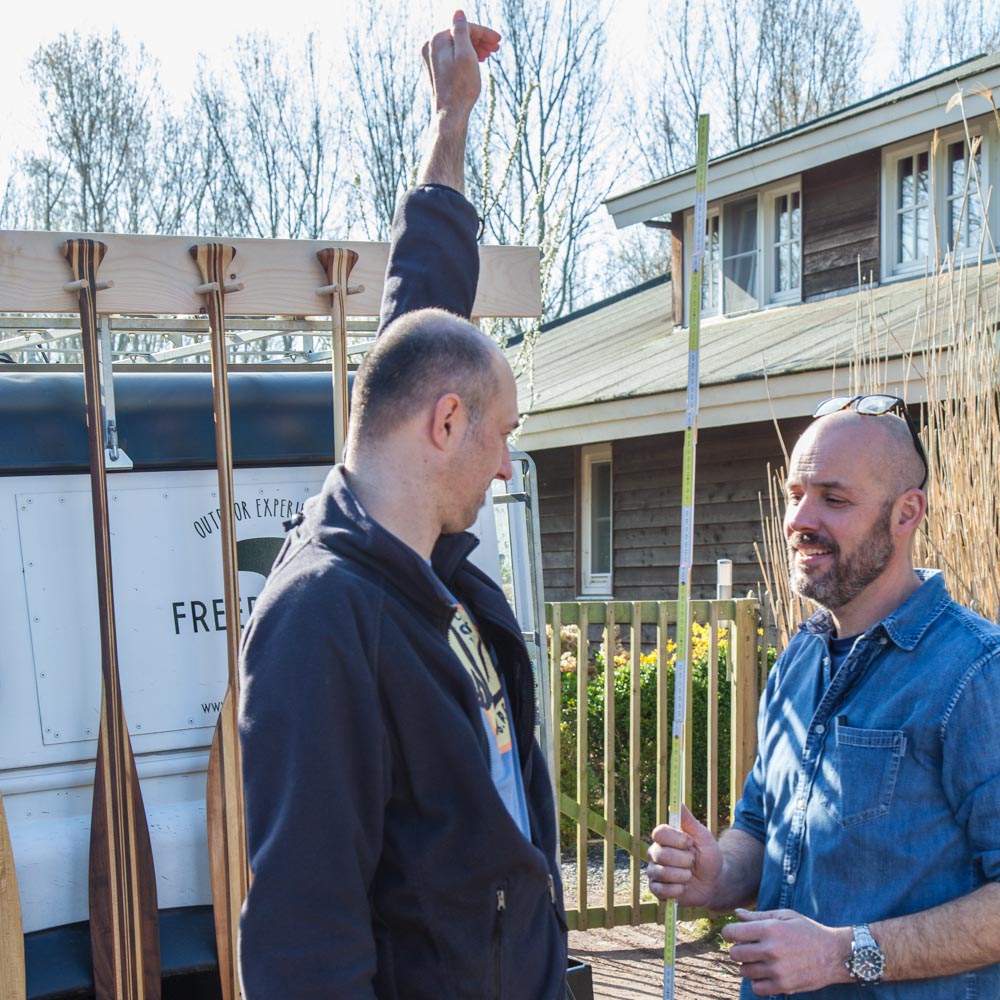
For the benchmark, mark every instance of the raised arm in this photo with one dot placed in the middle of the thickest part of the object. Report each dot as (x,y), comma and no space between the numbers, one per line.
(452,59)
(433,254)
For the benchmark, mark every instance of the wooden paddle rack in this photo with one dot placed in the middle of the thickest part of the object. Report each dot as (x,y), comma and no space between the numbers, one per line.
(51,666)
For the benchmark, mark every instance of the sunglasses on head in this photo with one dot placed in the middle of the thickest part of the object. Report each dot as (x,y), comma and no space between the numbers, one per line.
(876,406)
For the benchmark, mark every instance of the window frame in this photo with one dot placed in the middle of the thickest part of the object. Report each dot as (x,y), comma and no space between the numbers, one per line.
(595,584)
(764,291)
(772,295)
(938,235)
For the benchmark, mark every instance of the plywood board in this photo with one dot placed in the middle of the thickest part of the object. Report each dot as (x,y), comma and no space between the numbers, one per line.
(155,275)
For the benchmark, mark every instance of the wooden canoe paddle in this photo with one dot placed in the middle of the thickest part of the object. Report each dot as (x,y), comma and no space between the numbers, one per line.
(338,263)
(124,930)
(12,981)
(227,841)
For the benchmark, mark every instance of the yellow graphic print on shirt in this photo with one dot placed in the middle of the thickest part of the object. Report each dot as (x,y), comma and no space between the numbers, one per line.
(467,645)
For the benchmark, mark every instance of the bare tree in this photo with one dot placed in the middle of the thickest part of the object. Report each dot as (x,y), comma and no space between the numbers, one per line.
(543,127)
(270,144)
(735,48)
(812,52)
(637,255)
(94,94)
(388,114)
(937,34)
(756,66)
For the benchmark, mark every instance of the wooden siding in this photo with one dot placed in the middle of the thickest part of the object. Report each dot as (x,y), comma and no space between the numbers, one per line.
(677,266)
(840,222)
(556,468)
(731,474)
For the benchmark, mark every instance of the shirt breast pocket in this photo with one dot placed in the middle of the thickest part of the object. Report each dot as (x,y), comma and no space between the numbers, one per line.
(859,771)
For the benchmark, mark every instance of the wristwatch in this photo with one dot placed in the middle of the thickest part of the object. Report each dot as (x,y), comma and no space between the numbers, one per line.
(867,964)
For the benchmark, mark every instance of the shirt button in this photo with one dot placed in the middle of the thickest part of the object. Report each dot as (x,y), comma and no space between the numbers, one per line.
(790,878)
(820,729)
(801,804)
(826,661)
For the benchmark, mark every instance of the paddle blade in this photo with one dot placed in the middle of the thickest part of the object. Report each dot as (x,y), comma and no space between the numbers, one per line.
(227,850)
(124,929)
(12,982)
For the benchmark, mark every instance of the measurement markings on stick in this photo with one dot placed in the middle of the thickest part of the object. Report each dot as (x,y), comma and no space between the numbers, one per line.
(124,929)
(682,673)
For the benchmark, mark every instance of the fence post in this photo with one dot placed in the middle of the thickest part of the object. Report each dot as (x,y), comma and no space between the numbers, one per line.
(745,696)
(609,763)
(555,714)
(582,674)
(635,753)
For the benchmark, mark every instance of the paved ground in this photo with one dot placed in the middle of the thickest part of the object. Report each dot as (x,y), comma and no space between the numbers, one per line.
(627,964)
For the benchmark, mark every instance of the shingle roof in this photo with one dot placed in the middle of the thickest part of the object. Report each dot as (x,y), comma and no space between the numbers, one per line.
(628,347)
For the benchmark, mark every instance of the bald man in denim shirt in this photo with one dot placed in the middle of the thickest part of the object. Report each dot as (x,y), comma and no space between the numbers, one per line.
(868,833)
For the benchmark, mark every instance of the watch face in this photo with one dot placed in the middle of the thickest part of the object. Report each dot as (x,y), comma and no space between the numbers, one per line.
(868,964)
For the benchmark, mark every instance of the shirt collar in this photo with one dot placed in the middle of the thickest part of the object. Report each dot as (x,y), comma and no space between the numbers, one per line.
(907,624)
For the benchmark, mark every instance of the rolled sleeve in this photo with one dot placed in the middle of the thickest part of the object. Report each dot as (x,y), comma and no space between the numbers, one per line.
(971,766)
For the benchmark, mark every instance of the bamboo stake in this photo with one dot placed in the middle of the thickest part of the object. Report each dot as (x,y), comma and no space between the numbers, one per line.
(124,930)
(228,862)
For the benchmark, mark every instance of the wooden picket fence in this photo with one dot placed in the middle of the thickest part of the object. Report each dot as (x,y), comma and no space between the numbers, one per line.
(618,625)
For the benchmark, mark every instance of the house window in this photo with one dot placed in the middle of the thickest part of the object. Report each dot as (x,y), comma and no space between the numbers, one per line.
(965,207)
(783,238)
(729,270)
(932,202)
(711,274)
(595,520)
(739,255)
(753,251)
(913,207)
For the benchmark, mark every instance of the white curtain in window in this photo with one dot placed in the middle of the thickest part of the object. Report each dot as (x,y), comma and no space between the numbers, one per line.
(739,260)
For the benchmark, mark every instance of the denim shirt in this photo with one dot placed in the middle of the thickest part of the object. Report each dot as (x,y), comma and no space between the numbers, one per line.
(877,792)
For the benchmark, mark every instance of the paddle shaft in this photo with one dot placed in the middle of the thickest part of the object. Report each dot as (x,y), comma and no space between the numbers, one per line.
(338,262)
(228,862)
(124,928)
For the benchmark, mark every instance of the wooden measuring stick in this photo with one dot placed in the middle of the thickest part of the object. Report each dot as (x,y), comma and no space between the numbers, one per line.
(12,981)
(338,262)
(682,671)
(227,842)
(124,931)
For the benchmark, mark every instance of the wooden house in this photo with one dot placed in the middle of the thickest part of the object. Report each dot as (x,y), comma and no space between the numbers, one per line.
(818,240)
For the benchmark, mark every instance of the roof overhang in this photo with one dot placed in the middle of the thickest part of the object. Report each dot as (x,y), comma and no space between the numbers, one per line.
(722,405)
(871,125)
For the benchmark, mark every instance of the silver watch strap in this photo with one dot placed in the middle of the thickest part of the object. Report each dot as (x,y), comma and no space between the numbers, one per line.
(863,937)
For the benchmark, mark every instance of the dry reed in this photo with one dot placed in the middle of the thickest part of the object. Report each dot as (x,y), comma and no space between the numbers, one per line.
(952,361)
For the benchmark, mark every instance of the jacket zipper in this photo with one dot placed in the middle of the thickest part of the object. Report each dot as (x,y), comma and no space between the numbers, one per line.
(498,944)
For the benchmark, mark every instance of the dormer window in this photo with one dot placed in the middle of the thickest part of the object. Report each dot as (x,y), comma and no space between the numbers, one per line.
(784,241)
(931,202)
(965,205)
(753,251)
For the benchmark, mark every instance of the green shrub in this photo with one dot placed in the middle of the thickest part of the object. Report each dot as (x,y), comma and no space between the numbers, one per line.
(696,736)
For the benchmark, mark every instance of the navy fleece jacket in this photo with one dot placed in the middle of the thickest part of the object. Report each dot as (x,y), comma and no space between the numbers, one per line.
(384,862)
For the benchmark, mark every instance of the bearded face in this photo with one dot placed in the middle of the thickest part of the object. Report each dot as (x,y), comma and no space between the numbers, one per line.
(822,571)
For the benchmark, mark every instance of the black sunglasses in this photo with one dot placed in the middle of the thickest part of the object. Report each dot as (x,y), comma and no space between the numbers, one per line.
(876,406)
